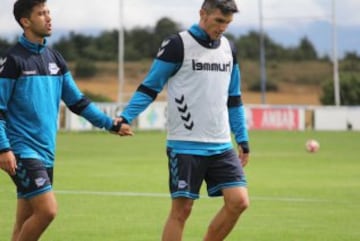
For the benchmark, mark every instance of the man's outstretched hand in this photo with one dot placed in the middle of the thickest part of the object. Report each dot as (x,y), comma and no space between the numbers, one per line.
(121,128)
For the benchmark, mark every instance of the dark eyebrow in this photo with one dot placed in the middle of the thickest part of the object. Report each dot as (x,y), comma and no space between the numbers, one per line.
(221,20)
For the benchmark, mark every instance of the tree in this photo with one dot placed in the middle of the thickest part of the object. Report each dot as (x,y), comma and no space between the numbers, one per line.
(85,68)
(4,45)
(143,42)
(140,41)
(352,56)
(349,91)
(107,45)
(351,62)
(67,48)
(164,27)
(248,46)
(306,50)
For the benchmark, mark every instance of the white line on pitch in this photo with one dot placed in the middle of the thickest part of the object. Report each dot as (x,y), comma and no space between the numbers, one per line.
(143,194)
(123,194)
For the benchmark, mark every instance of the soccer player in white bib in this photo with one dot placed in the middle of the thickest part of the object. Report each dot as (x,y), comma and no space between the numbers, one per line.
(200,68)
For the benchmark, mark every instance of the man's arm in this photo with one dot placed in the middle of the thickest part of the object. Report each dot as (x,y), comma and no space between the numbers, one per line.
(79,104)
(237,115)
(8,75)
(167,62)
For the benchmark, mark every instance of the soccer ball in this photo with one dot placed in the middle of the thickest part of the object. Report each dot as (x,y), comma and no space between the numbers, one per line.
(312,145)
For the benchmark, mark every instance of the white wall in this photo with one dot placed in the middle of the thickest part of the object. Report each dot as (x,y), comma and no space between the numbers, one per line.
(337,118)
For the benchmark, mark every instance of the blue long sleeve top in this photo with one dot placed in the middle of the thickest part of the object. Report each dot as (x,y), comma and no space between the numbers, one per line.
(33,80)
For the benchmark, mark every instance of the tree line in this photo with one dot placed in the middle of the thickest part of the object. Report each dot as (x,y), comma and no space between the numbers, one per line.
(143,43)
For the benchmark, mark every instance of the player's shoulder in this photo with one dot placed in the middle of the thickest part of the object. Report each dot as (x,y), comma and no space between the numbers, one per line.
(232,46)
(55,53)
(231,43)
(173,40)
(13,52)
(9,60)
(171,49)
(8,66)
(58,58)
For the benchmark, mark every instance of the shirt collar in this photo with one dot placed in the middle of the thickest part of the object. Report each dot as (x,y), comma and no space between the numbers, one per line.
(201,35)
(33,47)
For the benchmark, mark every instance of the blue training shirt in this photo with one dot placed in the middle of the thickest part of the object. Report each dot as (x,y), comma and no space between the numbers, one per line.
(33,80)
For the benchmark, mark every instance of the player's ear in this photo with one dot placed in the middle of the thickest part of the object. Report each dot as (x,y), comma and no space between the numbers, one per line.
(202,12)
(25,22)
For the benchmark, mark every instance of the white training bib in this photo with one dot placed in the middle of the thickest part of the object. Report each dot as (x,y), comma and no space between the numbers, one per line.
(198,93)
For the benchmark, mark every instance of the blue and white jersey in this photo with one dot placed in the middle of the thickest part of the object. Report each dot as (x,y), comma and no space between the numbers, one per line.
(176,59)
(33,81)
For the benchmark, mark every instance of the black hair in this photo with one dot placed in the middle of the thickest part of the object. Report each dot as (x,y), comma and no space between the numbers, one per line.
(23,8)
(225,6)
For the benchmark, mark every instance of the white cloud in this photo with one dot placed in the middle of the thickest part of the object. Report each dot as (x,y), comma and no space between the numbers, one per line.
(7,21)
(145,13)
(294,17)
(99,14)
(348,12)
(287,14)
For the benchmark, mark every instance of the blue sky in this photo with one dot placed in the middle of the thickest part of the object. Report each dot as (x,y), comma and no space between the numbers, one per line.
(284,20)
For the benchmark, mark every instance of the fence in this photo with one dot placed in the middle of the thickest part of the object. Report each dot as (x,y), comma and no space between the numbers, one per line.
(259,117)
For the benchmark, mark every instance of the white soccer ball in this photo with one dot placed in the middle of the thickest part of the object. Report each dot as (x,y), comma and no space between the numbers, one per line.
(312,145)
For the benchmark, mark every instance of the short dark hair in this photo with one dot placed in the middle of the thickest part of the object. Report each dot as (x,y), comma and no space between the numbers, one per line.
(226,6)
(23,8)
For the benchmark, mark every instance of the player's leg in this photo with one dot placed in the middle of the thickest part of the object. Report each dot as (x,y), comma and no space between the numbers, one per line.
(186,174)
(44,209)
(175,223)
(225,177)
(23,212)
(235,202)
(36,205)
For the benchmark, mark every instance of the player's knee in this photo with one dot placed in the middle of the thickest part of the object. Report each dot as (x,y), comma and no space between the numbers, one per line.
(237,204)
(183,211)
(48,214)
(187,210)
(241,205)
(51,214)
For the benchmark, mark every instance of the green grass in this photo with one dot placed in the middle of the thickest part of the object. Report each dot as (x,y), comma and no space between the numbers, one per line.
(101,182)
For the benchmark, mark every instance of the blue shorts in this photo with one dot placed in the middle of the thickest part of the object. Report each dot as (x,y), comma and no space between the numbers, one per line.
(32,178)
(187,172)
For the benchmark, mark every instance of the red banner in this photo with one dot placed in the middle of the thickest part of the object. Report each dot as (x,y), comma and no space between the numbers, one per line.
(273,119)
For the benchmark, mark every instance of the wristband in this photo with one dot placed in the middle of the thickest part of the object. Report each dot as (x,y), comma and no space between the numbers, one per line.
(116,127)
(5,150)
(245,146)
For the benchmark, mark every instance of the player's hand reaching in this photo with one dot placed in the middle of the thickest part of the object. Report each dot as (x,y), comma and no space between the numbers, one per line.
(244,152)
(8,162)
(125,130)
(121,127)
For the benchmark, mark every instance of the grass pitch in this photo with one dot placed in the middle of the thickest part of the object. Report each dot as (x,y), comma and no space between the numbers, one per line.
(115,189)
